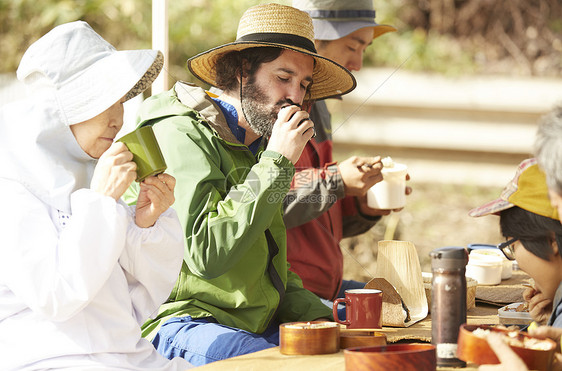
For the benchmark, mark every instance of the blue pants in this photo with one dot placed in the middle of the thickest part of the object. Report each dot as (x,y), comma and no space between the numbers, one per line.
(202,341)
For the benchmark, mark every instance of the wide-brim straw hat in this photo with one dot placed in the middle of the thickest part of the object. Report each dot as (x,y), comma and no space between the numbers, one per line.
(334,19)
(285,27)
(85,73)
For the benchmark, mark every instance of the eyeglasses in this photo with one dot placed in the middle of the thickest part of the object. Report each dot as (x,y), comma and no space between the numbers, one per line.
(507,248)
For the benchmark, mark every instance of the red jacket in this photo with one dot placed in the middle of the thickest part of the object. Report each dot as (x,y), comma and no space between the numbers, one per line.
(318,215)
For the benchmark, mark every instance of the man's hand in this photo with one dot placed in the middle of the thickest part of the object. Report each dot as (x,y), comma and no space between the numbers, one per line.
(359,174)
(114,172)
(540,307)
(156,196)
(366,210)
(292,130)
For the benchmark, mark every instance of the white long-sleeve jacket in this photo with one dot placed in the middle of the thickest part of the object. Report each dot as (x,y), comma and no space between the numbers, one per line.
(74,289)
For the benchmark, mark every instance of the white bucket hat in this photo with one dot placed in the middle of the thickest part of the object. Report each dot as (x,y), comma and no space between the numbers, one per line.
(73,75)
(334,19)
(85,73)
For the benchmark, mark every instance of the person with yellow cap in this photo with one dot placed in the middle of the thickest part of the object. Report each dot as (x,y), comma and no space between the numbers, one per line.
(233,159)
(327,200)
(533,235)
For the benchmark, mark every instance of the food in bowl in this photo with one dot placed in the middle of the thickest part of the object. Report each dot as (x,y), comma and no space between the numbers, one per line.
(512,337)
(473,346)
(520,307)
(311,325)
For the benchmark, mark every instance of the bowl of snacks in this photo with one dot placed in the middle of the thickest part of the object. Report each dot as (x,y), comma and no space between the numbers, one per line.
(314,337)
(473,346)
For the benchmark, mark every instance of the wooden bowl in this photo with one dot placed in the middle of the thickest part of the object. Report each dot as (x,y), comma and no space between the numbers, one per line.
(361,338)
(314,337)
(475,349)
(395,357)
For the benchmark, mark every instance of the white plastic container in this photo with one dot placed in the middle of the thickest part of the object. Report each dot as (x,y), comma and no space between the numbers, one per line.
(486,269)
(390,193)
(507,265)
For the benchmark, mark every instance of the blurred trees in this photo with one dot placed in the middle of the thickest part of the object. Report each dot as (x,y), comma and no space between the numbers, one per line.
(522,37)
(449,36)
(124,23)
(194,25)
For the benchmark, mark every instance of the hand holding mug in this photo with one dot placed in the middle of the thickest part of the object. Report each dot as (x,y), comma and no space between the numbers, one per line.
(156,196)
(292,130)
(146,152)
(114,172)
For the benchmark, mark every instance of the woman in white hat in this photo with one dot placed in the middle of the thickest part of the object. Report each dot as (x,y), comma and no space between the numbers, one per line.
(80,270)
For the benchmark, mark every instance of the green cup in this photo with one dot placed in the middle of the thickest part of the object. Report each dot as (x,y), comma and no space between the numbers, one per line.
(146,152)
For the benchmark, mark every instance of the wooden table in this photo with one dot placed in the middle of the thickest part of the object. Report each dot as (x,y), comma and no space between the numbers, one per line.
(271,359)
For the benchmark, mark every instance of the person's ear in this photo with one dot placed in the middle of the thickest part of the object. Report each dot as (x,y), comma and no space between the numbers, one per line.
(554,246)
(242,74)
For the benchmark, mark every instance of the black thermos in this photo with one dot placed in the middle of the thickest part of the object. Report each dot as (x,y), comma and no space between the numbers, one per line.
(448,302)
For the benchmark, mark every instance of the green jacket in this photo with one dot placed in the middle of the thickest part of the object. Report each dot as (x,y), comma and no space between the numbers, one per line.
(226,199)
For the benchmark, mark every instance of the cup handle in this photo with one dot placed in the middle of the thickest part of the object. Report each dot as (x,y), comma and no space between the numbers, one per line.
(335,311)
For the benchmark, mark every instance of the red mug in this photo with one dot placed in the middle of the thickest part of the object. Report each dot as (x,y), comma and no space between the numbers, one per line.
(363,308)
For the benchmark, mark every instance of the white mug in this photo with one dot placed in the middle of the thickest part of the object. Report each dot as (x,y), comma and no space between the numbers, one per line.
(390,193)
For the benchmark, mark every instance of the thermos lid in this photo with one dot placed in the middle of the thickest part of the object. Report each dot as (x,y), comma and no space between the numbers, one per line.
(450,257)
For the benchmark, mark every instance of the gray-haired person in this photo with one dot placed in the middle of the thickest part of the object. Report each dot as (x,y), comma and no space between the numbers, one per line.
(548,150)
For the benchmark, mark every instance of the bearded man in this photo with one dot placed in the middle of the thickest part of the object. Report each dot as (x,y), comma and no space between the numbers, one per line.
(233,159)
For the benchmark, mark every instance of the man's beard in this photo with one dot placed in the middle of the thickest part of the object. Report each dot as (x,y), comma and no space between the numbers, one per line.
(259,115)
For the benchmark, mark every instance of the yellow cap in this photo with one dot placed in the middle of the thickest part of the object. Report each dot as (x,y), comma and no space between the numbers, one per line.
(527,190)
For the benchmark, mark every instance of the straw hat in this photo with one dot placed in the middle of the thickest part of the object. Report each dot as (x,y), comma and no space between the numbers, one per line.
(527,190)
(285,27)
(334,19)
(85,73)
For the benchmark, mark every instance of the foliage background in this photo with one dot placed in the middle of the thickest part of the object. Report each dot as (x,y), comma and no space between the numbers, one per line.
(454,37)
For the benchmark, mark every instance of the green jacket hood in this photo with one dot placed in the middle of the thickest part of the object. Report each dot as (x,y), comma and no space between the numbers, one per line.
(186,99)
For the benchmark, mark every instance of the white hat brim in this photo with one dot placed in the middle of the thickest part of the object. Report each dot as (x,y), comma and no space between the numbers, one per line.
(122,74)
